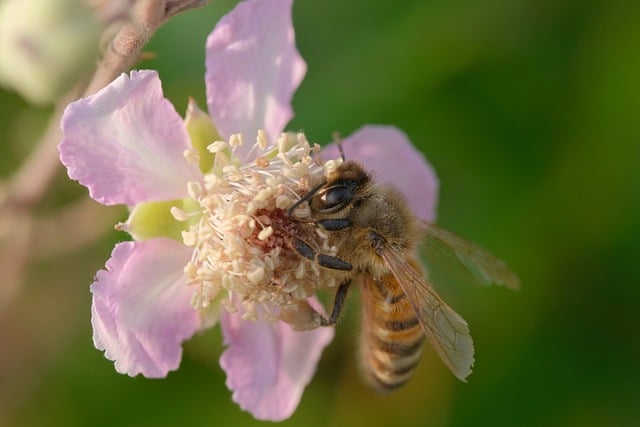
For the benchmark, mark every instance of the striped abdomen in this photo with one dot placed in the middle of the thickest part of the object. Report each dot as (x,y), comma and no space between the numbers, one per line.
(392,338)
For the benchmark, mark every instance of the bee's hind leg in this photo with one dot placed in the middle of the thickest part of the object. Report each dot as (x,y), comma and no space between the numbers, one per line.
(338,302)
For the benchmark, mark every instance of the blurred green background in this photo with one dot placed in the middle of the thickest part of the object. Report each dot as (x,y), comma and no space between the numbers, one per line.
(530,113)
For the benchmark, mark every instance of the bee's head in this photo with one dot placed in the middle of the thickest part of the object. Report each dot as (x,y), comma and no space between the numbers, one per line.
(343,185)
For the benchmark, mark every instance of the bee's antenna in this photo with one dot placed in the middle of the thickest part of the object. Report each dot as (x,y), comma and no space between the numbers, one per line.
(338,140)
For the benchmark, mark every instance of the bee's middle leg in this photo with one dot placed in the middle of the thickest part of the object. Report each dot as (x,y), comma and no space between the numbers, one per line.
(303,316)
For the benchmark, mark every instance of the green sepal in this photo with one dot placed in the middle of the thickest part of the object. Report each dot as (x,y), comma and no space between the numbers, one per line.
(202,133)
(154,219)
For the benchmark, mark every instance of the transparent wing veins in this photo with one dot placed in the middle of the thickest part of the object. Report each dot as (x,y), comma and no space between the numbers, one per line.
(484,266)
(445,329)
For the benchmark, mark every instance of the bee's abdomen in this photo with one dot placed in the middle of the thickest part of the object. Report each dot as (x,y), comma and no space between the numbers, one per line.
(392,338)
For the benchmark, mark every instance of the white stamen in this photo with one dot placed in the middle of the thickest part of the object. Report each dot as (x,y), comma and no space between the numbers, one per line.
(190,238)
(239,240)
(179,214)
(262,139)
(192,155)
(282,143)
(229,305)
(217,147)
(232,173)
(265,233)
(256,275)
(283,202)
(330,166)
(194,189)
(236,140)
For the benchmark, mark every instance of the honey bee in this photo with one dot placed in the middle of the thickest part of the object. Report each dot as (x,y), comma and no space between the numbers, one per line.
(377,238)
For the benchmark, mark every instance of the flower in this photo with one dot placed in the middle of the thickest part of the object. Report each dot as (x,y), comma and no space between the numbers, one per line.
(46,46)
(208,210)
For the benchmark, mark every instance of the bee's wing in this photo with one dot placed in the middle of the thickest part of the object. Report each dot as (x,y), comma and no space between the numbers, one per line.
(447,332)
(484,266)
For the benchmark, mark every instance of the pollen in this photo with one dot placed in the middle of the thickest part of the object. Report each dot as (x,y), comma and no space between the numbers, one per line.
(265,233)
(241,235)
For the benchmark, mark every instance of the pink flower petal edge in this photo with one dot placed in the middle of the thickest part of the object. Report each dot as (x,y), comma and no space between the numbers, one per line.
(389,155)
(253,69)
(141,311)
(126,143)
(268,365)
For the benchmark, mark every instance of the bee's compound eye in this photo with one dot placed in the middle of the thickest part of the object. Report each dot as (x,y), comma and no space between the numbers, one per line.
(336,197)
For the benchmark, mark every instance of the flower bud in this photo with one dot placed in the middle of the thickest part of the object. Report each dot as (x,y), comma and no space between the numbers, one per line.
(46,46)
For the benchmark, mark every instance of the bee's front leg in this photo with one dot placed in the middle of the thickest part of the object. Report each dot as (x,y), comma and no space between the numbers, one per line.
(323,260)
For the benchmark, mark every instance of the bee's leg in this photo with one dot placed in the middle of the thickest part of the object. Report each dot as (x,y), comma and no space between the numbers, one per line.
(334,224)
(301,316)
(338,140)
(338,302)
(323,260)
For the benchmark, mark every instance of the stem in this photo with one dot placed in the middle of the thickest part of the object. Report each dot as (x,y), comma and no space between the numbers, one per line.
(29,183)
(124,50)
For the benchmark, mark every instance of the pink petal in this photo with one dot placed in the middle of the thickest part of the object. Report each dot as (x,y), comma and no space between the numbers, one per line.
(268,365)
(387,152)
(253,69)
(126,143)
(141,310)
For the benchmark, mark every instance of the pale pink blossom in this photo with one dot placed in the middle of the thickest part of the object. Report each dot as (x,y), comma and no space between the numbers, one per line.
(196,230)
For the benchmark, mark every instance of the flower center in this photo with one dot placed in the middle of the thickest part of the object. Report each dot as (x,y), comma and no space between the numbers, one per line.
(241,242)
